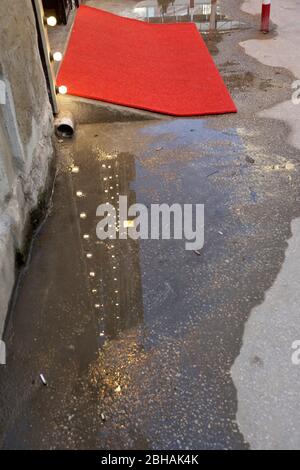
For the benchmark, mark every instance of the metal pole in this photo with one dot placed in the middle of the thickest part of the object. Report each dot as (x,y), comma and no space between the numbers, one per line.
(192,6)
(213,15)
(265,16)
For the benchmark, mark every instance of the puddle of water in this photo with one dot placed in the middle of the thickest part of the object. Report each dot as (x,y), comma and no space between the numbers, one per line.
(118,270)
(194,135)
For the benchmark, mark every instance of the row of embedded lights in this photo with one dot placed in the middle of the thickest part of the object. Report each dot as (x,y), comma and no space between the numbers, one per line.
(107,183)
(56,56)
(86,236)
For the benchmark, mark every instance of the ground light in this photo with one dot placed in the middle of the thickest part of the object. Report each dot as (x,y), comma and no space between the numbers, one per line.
(51,21)
(56,56)
(62,90)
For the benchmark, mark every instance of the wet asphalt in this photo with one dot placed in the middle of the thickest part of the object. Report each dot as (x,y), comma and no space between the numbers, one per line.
(136,339)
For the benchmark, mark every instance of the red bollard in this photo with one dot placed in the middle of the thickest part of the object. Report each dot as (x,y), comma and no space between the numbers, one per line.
(265,16)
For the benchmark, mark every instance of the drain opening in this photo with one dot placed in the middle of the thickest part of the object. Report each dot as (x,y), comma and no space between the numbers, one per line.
(64,130)
(64,126)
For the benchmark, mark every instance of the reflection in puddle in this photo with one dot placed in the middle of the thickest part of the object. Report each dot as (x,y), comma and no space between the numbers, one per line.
(177,11)
(113,266)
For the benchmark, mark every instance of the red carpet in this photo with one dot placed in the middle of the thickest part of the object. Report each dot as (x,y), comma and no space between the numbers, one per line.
(164,68)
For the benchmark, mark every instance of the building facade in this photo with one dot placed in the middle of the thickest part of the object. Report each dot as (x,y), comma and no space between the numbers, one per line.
(26,129)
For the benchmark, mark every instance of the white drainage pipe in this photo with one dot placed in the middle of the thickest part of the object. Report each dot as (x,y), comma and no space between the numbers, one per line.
(64,125)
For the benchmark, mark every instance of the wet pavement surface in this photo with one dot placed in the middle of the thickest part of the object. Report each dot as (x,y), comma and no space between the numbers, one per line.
(136,339)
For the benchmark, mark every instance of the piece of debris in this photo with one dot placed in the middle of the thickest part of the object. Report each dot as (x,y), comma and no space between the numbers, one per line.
(118,389)
(250,159)
(197,252)
(213,173)
(103,417)
(43,380)
(159,148)
(220,233)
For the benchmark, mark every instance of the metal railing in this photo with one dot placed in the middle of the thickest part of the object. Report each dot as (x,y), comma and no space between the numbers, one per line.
(206,14)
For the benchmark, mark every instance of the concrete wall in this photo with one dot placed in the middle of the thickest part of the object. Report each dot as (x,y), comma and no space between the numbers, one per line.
(26,129)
